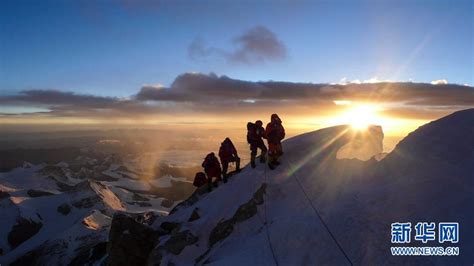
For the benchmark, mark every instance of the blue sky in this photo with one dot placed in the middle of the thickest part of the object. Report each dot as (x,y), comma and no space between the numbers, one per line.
(113,48)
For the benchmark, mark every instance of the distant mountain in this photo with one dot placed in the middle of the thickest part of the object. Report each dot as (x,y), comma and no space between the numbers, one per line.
(319,208)
(60,214)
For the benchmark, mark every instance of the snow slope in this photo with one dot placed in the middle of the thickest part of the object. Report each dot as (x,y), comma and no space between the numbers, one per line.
(318,209)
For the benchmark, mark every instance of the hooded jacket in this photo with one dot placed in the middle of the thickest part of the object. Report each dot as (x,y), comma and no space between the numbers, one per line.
(274,131)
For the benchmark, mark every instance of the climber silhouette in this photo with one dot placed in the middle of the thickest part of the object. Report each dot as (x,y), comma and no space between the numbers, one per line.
(274,133)
(255,135)
(227,154)
(212,168)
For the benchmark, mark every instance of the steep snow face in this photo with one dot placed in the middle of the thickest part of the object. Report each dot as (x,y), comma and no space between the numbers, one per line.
(317,209)
(445,140)
(296,234)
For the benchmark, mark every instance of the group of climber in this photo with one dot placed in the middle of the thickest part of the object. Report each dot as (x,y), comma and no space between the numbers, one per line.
(274,133)
(212,167)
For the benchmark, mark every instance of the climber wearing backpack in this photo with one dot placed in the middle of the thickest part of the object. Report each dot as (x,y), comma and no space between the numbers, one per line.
(200,179)
(212,168)
(227,154)
(274,133)
(255,135)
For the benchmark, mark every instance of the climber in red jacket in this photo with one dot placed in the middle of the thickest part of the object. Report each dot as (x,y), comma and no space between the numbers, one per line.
(274,133)
(227,154)
(212,168)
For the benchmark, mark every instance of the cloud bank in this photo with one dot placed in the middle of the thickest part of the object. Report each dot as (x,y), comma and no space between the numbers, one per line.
(196,93)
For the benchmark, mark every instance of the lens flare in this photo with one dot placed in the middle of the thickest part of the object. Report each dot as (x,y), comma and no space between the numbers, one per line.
(360,116)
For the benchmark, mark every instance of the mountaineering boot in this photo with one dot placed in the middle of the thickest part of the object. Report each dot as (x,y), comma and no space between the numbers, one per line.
(252,160)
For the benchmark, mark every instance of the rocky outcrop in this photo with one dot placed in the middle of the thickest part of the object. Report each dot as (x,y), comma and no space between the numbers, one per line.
(86,173)
(53,170)
(194,216)
(191,200)
(175,245)
(167,203)
(23,230)
(4,194)
(38,193)
(130,242)
(87,202)
(170,227)
(140,203)
(247,210)
(224,228)
(88,254)
(179,241)
(138,197)
(64,209)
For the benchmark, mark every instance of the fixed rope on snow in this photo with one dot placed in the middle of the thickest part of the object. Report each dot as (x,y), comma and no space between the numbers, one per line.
(322,221)
(266,219)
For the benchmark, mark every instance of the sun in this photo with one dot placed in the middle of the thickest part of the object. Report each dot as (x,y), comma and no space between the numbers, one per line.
(361,116)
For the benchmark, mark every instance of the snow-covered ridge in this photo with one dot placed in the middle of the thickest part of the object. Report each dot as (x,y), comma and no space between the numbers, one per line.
(318,209)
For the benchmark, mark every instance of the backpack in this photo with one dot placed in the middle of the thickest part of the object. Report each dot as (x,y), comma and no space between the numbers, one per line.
(250,132)
(226,150)
(199,179)
(209,161)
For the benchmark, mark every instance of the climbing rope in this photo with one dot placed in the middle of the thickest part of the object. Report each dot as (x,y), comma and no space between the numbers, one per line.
(266,220)
(322,221)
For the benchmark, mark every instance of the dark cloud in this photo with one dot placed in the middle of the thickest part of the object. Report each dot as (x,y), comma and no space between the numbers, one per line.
(198,50)
(257,45)
(154,93)
(196,93)
(70,104)
(47,97)
(198,87)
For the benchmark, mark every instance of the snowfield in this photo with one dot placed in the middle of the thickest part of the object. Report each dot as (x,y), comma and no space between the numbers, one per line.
(315,209)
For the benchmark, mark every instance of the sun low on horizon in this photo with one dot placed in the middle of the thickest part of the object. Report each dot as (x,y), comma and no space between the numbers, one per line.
(360,115)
